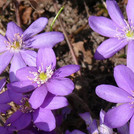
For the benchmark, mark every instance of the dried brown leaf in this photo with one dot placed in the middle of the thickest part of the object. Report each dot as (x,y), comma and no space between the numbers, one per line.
(26,15)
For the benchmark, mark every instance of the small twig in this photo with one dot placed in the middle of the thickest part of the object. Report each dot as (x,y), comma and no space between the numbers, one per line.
(86,8)
(17,2)
(66,36)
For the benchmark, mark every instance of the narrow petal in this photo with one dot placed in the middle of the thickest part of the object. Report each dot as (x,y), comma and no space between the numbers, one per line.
(48,39)
(130,55)
(14,96)
(130,11)
(29,57)
(109,47)
(124,129)
(115,12)
(22,122)
(2,83)
(44,119)
(45,58)
(16,63)
(86,117)
(22,86)
(102,115)
(66,71)
(12,29)
(36,27)
(74,132)
(4,130)
(3,41)
(38,97)
(118,116)
(54,102)
(26,73)
(93,128)
(131,126)
(4,108)
(124,78)
(60,86)
(4,97)
(103,26)
(14,117)
(113,94)
(4,60)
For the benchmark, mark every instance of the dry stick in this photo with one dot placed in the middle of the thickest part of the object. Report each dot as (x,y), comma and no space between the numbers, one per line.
(66,36)
(17,2)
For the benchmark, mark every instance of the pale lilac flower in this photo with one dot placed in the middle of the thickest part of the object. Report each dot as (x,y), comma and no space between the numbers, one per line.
(120,31)
(90,123)
(43,78)
(123,95)
(104,129)
(15,45)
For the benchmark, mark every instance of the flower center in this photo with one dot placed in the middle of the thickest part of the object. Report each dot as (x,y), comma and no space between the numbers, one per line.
(25,107)
(130,34)
(41,77)
(16,44)
(126,32)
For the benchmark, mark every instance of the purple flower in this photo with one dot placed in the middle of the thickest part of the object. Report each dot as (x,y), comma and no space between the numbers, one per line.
(90,123)
(104,129)
(42,78)
(117,28)
(4,98)
(74,132)
(42,117)
(122,95)
(123,129)
(15,45)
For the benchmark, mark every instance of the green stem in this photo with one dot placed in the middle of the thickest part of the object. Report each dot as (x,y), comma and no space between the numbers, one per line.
(56,18)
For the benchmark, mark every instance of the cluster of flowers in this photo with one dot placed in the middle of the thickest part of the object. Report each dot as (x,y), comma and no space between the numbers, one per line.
(121,33)
(35,88)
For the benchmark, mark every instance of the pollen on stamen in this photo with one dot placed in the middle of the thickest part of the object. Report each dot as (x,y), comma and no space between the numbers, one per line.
(41,77)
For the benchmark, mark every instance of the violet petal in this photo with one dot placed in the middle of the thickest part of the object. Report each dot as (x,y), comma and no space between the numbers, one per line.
(130,55)
(66,71)
(44,119)
(29,57)
(102,25)
(38,97)
(36,27)
(54,102)
(23,86)
(12,29)
(26,73)
(16,63)
(130,11)
(124,78)
(5,60)
(60,86)
(48,39)
(45,58)
(115,13)
(108,48)
(118,116)
(113,94)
